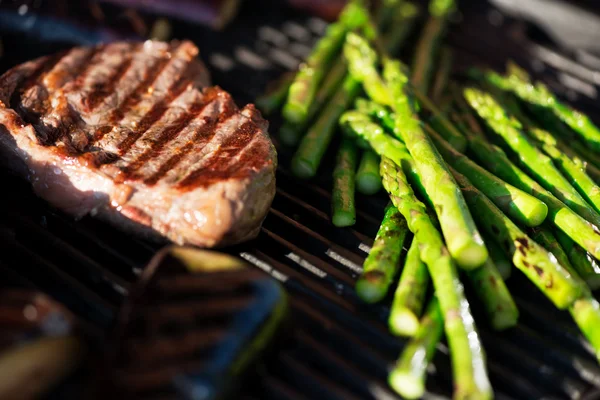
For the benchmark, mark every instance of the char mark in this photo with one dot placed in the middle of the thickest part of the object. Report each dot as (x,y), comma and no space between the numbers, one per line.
(216,167)
(158,109)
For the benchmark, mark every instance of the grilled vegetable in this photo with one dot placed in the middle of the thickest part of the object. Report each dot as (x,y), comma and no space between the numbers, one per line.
(518,205)
(368,180)
(536,263)
(502,263)
(409,374)
(463,240)
(311,73)
(466,351)
(290,132)
(442,75)
(343,210)
(585,265)
(275,95)
(410,294)
(538,164)
(561,216)
(518,82)
(308,157)
(586,313)
(381,265)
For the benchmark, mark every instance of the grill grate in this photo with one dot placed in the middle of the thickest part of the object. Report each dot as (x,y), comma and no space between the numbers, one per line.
(337,348)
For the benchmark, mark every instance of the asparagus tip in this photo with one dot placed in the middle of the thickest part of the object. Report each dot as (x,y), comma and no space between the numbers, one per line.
(472,255)
(403,322)
(502,321)
(405,385)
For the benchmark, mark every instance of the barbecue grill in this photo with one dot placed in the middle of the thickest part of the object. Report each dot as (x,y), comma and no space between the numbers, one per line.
(335,347)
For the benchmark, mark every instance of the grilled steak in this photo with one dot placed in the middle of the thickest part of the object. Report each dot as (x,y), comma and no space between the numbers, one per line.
(134,134)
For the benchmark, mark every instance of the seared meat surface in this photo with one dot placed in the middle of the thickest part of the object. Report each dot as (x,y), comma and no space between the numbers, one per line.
(134,134)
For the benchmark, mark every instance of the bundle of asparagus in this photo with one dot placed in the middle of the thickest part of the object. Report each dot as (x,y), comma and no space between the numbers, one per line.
(490,176)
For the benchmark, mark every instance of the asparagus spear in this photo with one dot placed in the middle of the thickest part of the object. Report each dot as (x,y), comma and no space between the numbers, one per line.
(584,264)
(342,196)
(408,375)
(570,165)
(518,205)
(502,263)
(518,82)
(308,157)
(463,240)
(275,95)
(410,294)
(378,112)
(538,164)
(302,91)
(468,359)
(499,305)
(290,132)
(586,313)
(531,258)
(442,75)
(381,265)
(362,64)
(545,238)
(425,53)
(561,216)
(368,180)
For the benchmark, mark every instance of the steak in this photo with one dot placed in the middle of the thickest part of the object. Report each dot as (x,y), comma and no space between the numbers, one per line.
(134,134)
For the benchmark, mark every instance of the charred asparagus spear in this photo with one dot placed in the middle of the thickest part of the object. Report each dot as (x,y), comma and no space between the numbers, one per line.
(538,164)
(368,180)
(561,216)
(585,265)
(381,265)
(410,294)
(428,45)
(468,359)
(304,87)
(464,241)
(502,263)
(586,313)
(442,75)
(537,264)
(518,205)
(343,210)
(310,152)
(518,82)
(409,374)
(275,95)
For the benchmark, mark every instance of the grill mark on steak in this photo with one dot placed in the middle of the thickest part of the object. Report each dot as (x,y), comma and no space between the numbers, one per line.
(39,71)
(78,80)
(56,78)
(158,109)
(168,134)
(133,98)
(200,139)
(219,160)
(106,87)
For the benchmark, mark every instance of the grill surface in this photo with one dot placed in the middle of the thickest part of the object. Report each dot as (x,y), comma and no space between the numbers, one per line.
(337,348)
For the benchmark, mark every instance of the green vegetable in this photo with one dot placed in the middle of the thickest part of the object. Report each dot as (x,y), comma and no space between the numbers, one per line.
(538,164)
(381,265)
(426,51)
(368,180)
(410,294)
(466,350)
(502,263)
(408,376)
(306,83)
(585,265)
(532,259)
(342,196)
(275,95)
(442,75)
(518,82)
(586,313)
(464,241)
(518,205)
(313,146)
